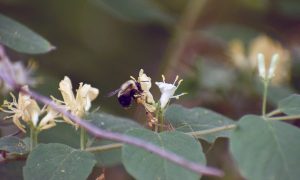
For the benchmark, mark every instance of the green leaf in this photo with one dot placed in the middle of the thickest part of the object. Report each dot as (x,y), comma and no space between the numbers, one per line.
(197,119)
(134,10)
(144,165)
(21,38)
(58,161)
(13,145)
(112,123)
(62,133)
(290,105)
(266,150)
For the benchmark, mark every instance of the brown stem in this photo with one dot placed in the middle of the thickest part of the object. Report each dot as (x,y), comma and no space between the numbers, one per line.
(100,133)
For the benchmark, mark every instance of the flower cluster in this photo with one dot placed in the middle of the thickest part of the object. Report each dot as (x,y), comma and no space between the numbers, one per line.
(167,92)
(247,62)
(26,110)
(145,98)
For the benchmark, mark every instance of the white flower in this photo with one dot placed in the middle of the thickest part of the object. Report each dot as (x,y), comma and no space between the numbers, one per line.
(27,110)
(85,94)
(167,91)
(262,67)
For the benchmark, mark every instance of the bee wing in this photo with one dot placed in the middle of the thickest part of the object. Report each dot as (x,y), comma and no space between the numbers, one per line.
(113,93)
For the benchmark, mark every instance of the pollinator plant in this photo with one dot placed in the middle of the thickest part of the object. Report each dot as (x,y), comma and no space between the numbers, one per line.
(263,146)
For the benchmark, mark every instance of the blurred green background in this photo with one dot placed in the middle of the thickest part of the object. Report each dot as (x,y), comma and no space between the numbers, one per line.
(103,42)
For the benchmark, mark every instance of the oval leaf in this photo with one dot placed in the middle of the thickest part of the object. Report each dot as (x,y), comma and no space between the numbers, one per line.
(142,164)
(58,161)
(290,105)
(134,10)
(112,123)
(266,150)
(13,145)
(21,38)
(197,119)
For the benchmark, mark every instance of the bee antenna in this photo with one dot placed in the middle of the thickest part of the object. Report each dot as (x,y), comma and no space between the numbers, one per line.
(113,93)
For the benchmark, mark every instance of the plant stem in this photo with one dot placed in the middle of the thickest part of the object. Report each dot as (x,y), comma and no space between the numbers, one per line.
(7,77)
(100,133)
(272,113)
(156,117)
(182,36)
(161,117)
(82,138)
(33,137)
(104,147)
(264,103)
(293,117)
(195,134)
(213,130)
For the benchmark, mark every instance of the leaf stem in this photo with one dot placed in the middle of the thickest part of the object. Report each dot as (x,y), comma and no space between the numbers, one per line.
(272,113)
(195,134)
(104,147)
(82,138)
(33,137)
(101,133)
(283,118)
(264,103)
(213,130)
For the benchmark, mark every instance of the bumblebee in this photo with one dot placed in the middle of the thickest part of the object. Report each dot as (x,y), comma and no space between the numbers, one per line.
(130,90)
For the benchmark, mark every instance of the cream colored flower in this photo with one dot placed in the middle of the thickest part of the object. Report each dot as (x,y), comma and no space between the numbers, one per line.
(80,104)
(268,47)
(27,110)
(146,98)
(167,91)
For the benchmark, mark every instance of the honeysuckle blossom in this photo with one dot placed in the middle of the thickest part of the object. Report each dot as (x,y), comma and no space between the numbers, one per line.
(167,91)
(26,110)
(80,104)
(262,66)
(247,62)
(146,98)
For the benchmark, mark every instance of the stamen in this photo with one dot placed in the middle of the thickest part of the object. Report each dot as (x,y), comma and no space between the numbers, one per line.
(177,96)
(163,78)
(179,82)
(175,79)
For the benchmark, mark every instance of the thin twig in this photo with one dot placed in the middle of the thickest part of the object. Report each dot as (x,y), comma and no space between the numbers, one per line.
(272,113)
(182,35)
(104,147)
(213,130)
(283,118)
(100,133)
(195,134)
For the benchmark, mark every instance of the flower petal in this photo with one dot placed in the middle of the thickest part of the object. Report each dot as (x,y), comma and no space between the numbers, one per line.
(65,87)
